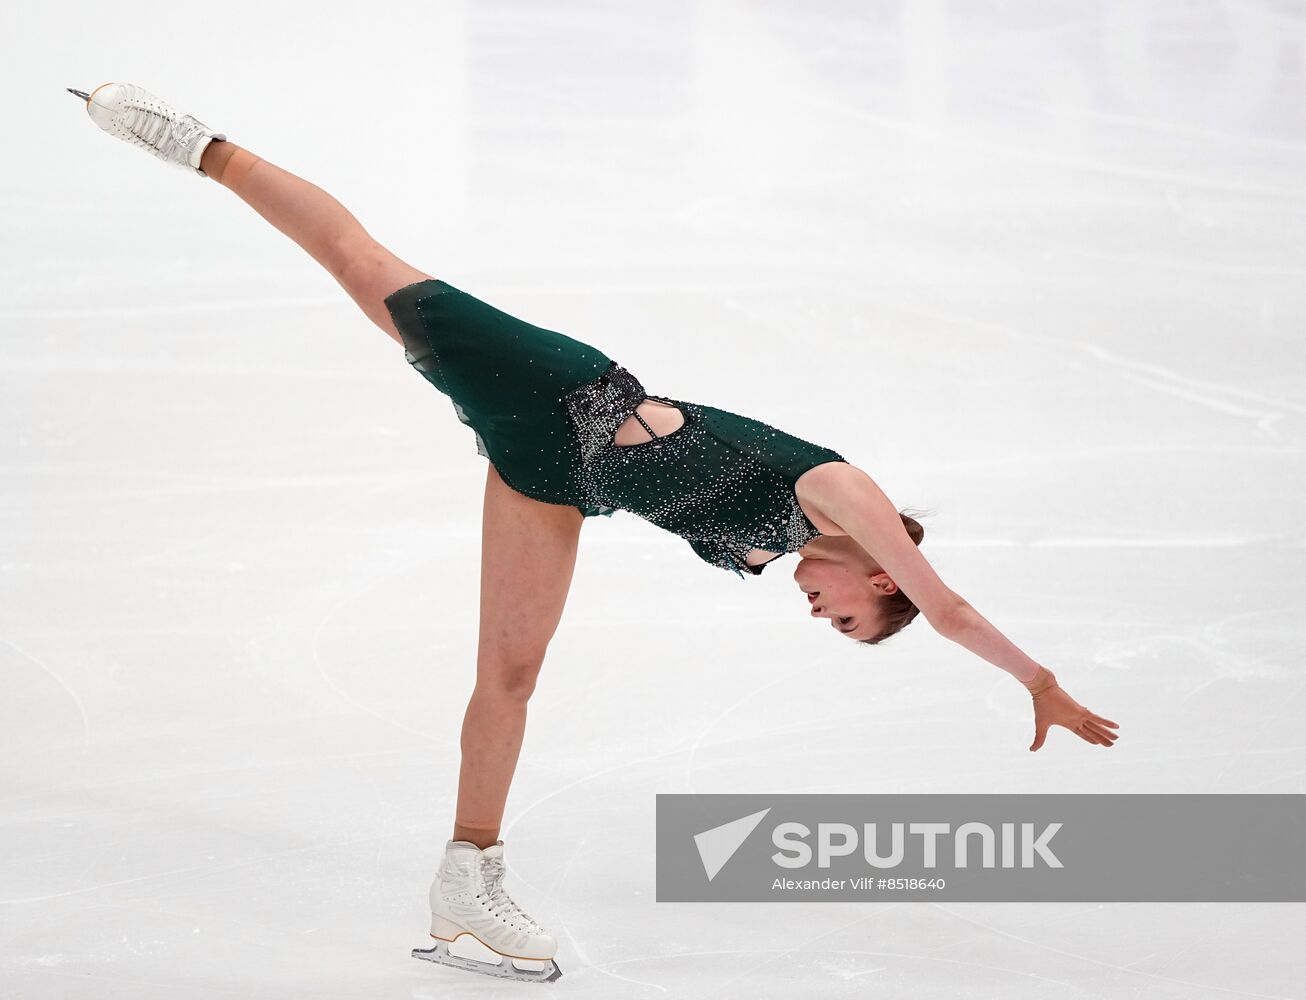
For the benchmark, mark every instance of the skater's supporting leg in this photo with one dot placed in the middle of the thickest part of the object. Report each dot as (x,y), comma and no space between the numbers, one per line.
(528,554)
(317,222)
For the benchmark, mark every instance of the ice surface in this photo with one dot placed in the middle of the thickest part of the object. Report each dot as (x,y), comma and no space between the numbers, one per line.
(1035,266)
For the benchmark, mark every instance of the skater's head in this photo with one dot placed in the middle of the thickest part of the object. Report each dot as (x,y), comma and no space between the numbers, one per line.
(844,585)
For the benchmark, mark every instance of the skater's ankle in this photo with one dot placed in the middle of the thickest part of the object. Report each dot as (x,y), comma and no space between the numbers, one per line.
(481,836)
(226,162)
(215,158)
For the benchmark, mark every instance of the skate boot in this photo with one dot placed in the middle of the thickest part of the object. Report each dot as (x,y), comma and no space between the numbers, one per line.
(135,115)
(468,902)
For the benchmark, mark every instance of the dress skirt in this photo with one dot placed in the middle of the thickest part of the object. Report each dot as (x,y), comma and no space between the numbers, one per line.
(508,381)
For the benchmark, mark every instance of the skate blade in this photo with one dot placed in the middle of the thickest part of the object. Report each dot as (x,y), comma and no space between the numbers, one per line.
(503,969)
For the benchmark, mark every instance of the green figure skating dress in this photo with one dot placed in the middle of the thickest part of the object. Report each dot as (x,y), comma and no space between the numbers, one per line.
(545,409)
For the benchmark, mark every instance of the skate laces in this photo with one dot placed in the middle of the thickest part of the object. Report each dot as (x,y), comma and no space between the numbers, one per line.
(162,134)
(148,125)
(492,870)
(186,130)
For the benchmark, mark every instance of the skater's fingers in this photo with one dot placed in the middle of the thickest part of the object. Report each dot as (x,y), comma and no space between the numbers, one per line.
(1107,737)
(1087,735)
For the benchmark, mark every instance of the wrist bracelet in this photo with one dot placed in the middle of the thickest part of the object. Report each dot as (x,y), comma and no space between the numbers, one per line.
(1035,680)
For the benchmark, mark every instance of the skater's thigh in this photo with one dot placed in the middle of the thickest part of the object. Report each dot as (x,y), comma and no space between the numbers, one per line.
(528,555)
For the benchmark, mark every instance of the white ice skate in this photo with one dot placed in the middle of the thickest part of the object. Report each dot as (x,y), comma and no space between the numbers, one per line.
(135,115)
(468,902)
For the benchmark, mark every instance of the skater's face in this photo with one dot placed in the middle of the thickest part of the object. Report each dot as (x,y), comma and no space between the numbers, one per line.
(846,592)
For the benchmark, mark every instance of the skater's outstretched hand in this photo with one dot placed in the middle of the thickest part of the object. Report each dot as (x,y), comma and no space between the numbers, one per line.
(1053,707)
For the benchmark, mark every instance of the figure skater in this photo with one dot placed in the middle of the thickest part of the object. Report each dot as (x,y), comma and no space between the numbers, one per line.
(570,434)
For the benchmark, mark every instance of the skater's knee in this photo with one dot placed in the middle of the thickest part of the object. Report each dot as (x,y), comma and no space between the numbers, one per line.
(510,679)
(369,271)
(357,262)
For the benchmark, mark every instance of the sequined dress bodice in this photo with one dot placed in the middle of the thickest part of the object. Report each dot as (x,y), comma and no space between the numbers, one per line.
(722,481)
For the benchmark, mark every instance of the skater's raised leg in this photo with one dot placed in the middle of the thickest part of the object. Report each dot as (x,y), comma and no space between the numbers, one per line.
(303,211)
(327,231)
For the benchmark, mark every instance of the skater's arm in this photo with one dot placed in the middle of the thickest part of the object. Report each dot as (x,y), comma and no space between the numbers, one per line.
(850,498)
(971,629)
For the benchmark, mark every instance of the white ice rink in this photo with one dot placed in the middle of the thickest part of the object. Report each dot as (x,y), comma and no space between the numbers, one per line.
(1036,266)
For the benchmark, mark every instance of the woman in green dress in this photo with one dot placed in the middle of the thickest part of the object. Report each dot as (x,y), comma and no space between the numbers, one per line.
(569,433)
